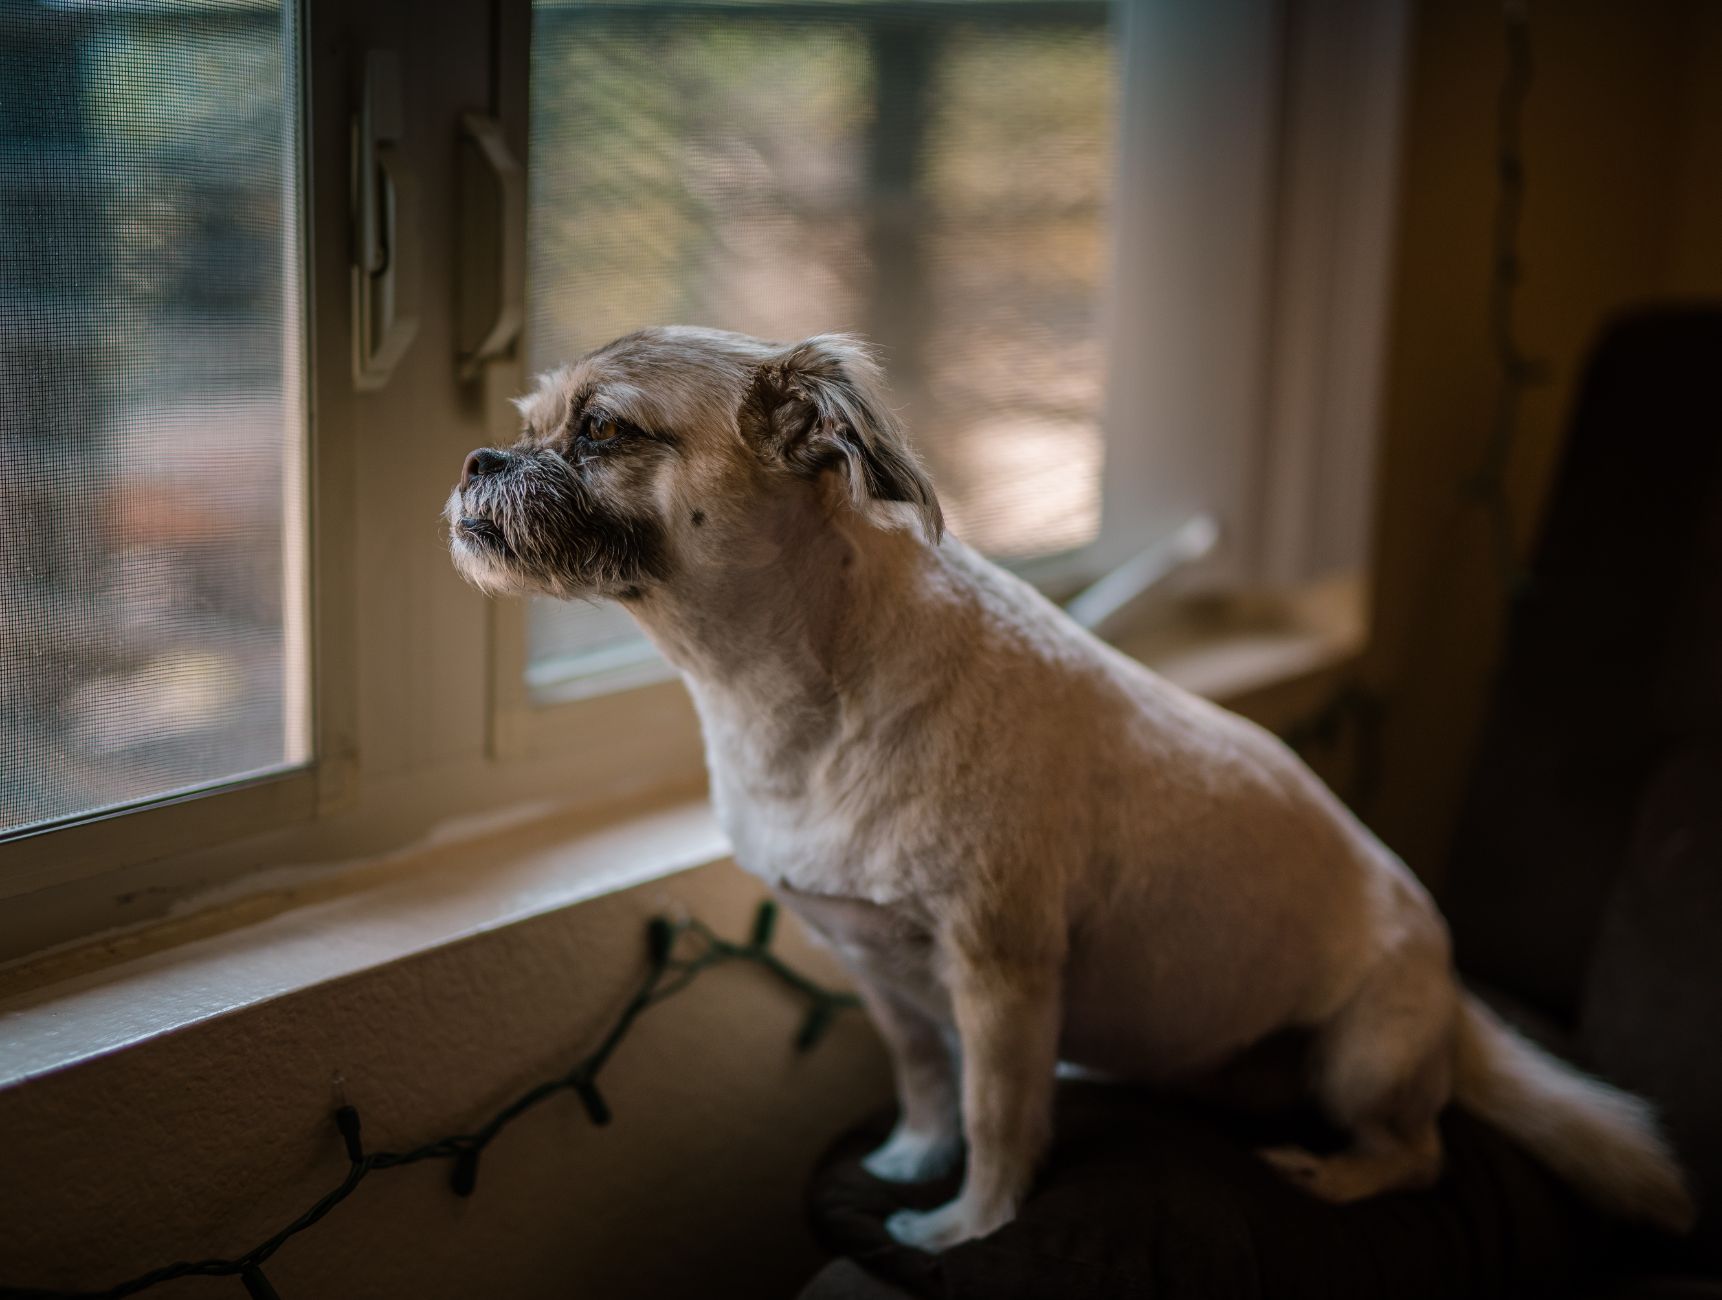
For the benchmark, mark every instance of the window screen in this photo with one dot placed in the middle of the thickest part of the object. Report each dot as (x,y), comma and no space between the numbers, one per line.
(152,535)
(935,175)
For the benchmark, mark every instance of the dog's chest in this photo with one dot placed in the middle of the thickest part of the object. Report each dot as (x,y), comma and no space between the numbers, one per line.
(799,842)
(794,831)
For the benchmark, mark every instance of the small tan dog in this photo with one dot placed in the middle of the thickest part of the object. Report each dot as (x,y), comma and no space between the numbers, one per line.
(1027,848)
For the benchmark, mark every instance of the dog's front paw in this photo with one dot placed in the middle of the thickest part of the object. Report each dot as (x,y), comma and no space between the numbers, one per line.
(910,1157)
(936,1230)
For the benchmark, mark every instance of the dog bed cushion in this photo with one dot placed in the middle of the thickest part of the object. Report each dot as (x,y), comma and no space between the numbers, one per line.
(1146,1197)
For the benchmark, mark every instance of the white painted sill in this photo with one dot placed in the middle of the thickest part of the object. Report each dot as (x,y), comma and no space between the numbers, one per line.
(100,998)
(104,996)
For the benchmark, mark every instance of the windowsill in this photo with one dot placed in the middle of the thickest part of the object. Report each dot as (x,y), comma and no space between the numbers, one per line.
(1270,661)
(65,1007)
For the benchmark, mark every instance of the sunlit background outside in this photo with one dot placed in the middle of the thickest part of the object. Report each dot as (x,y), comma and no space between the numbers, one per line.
(935,175)
(151,511)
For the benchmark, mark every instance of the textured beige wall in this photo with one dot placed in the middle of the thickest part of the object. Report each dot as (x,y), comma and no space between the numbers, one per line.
(203,1141)
(1623,206)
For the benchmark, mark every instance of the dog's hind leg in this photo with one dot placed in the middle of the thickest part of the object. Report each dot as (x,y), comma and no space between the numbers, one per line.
(1380,1159)
(1384,1070)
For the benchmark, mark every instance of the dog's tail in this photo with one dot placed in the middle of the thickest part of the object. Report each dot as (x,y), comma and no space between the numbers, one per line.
(1604,1141)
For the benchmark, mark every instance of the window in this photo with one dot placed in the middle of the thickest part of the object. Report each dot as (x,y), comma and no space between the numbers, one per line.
(153,617)
(1125,263)
(935,176)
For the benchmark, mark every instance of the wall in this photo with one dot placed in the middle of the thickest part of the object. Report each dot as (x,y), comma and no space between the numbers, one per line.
(204,1141)
(1623,206)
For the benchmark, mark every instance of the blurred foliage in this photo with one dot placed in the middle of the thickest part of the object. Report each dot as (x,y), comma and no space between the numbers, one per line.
(149,411)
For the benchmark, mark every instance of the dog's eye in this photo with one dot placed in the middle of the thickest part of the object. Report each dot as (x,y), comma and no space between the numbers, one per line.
(601,429)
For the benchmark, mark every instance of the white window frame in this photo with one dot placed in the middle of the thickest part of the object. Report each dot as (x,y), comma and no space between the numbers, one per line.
(1260,153)
(1257,152)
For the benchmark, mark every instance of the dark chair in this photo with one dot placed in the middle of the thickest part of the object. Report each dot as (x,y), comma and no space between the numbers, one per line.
(1586,873)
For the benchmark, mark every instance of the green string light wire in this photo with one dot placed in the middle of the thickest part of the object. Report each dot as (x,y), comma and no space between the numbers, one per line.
(668,974)
(1516,370)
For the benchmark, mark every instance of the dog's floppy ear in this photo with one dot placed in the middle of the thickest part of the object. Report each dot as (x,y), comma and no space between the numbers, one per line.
(820,405)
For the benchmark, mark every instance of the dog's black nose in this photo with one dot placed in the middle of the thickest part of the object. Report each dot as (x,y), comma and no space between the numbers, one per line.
(481,462)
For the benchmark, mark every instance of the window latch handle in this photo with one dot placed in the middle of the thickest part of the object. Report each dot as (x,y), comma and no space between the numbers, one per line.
(385,273)
(490,294)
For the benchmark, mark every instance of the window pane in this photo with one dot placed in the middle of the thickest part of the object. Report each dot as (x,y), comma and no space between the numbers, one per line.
(152,536)
(935,175)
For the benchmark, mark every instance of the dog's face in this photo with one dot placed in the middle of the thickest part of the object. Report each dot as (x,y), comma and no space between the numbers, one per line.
(659,454)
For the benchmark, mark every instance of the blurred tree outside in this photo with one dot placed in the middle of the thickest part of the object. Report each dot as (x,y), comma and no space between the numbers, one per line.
(149,404)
